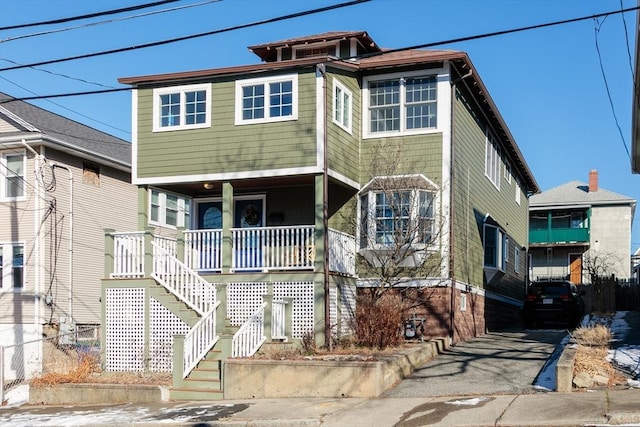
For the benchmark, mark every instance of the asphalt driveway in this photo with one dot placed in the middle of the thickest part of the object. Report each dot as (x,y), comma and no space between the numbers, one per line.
(494,363)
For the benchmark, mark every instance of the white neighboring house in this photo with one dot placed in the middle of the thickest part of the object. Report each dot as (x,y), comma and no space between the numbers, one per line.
(61,185)
(578,224)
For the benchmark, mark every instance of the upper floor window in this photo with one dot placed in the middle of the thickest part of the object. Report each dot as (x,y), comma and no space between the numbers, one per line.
(342,106)
(313,51)
(492,161)
(397,218)
(516,260)
(495,247)
(12,176)
(11,266)
(267,99)
(402,104)
(182,107)
(169,210)
(518,191)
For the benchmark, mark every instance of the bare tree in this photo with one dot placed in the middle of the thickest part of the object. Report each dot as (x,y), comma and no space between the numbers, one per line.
(400,231)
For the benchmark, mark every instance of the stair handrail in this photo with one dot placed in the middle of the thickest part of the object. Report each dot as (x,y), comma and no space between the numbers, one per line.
(186,284)
(200,339)
(248,339)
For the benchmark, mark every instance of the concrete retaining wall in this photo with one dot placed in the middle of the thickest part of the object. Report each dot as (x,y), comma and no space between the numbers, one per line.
(246,378)
(63,394)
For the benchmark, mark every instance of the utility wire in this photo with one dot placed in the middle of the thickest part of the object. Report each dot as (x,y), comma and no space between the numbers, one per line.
(189,37)
(606,85)
(108,21)
(90,15)
(425,45)
(68,109)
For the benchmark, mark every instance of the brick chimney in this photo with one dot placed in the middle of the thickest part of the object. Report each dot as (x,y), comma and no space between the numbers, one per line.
(593,181)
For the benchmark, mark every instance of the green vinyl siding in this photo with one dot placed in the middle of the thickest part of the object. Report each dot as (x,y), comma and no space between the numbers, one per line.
(343,148)
(474,196)
(225,147)
(402,155)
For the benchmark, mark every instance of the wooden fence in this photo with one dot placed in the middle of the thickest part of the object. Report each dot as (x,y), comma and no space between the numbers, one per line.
(608,294)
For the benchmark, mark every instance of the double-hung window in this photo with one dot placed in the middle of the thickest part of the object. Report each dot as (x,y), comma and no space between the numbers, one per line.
(269,99)
(11,266)
(182,107)
(402,105)
(492,161)
(169,210)
(12,174)
(495,247)
(341,106)
(397,218)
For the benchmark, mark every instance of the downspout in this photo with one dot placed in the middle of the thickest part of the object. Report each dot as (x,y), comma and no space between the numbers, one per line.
(36,229)
(321,69)
(61,166)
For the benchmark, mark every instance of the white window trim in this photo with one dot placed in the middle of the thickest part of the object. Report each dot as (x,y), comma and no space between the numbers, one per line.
(518,191)
(162,211)
(316,45)
(338,85)
(265,81)
(442,89)
(4,173)
(500,256)
(492,161)
(370,226)
(516,260)
(182,90)
(7,267)
(463,302)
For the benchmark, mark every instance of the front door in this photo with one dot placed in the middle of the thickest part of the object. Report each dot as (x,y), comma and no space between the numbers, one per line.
(575,268)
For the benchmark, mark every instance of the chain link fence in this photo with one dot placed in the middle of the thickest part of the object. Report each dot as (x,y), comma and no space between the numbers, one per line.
(57,353)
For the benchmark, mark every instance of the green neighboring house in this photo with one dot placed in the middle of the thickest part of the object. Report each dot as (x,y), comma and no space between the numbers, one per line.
(265,190)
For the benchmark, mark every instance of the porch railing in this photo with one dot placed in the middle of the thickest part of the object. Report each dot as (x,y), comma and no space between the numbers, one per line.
(128,255)
(200,339)
(203,249)
(342,252)
(248,339)
(183,282)
(268,248)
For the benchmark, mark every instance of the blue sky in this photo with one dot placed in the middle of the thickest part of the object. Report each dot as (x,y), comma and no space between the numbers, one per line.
(547,83)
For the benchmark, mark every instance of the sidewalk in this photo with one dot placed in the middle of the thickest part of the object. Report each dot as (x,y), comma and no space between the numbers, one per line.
(600,407)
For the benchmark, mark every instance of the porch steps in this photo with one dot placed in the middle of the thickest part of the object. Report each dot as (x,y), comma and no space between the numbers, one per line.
(175,306)
(204,382)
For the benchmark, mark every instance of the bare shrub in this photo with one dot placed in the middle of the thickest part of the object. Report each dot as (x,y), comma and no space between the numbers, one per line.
(378,321)
(597,335)
(309,344)
(87,364)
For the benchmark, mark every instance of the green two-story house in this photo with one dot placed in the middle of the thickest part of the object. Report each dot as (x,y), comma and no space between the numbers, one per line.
(269,194)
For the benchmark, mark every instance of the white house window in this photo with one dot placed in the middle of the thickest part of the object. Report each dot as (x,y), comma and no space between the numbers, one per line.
(169,210)
(315,51)
(12,174)
(492,161)
(518,191)
(495,247)
(507,172)
(516,260)
(11,266)
(182,107)
(402,104)
(342,106)
(397,217)
(267,100)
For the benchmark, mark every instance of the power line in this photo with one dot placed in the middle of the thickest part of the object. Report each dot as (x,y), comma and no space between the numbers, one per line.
(606,85)
(421,46)
(189,37)
(90,15)
(108,21)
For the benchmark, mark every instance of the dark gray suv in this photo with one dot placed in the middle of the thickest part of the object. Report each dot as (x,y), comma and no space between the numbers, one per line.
(557,301)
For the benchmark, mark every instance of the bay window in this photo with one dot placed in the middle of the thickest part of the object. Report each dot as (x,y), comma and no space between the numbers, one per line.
(495,247)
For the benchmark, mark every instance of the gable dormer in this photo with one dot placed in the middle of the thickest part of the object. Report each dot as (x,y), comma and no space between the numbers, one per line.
(339,44)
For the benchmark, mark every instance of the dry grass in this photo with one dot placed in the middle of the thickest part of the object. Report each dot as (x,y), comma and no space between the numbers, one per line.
(591,353)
